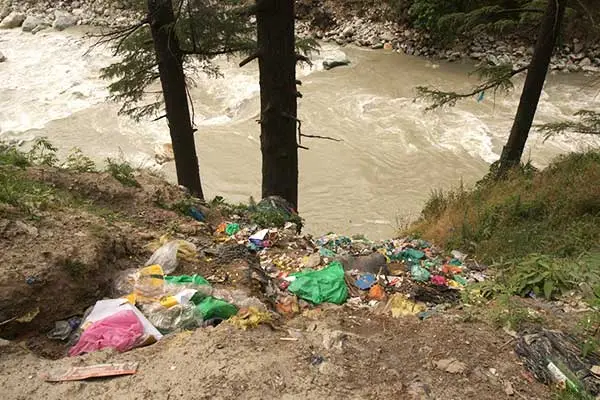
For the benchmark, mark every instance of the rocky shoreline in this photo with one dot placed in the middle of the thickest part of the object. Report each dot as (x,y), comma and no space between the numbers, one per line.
(34,16)
(571,57)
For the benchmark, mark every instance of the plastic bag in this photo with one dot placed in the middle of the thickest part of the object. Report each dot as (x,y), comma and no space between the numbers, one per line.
(176,317)
(187,279)
(419,274)
(149,284)
(324,286)
(238,298)
(211,307)
(232,229)
(114,323)
(166,255)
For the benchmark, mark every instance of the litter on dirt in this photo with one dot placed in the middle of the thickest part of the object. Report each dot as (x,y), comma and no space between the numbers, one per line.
(91,371)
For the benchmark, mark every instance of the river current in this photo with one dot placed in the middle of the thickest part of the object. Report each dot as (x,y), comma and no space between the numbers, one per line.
(391,156)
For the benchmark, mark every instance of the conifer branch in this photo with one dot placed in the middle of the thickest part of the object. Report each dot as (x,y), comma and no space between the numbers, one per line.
(588,124)
(250,58)
(498,79)
(303,58)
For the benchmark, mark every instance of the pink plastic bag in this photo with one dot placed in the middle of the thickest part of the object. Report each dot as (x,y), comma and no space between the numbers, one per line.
(120,331)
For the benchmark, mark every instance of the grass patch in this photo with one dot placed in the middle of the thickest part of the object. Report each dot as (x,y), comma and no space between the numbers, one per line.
(24,194)
(555,211)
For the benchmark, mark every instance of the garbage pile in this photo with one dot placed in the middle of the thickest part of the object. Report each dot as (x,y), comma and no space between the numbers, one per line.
(393,277)
(150,303)
(397,277)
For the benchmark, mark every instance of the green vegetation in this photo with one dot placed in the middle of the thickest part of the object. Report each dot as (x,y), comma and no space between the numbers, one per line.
(540,230)
(122,171)
(257,214)
(77,161)
(555,212)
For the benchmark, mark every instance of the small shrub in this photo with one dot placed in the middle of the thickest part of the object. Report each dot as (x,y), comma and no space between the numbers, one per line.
(77,161)
(9,155)
(122,171)
(43,153)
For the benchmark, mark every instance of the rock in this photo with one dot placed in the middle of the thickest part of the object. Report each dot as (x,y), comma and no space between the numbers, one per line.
(63,20)
(586,62)
(78,12)
(336,59)
(12,20)
(387,37)
(577,46)
(348,31)
(31,23)
(378,46)
(590,68)
(577,57)
(22,227)
(4,343)
(476,56)
(451,365)
(2,57)
(508,389)
(492,59)
(40,27)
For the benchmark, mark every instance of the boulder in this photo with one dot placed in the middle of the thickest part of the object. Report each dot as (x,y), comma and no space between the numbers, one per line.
(12,20)
(590,68)
(31,23)
(348,31)
(63,20)
(336,59)
(2,57)
(586,62)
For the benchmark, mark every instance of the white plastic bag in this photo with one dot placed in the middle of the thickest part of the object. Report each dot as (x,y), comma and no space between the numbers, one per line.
(166,255)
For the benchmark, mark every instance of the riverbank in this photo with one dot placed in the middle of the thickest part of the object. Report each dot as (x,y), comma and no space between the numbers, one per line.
(365,25)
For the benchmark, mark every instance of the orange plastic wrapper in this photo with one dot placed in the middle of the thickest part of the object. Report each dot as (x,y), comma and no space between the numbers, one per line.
(376,292)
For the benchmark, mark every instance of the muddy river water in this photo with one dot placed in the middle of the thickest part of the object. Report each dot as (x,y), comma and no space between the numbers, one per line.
(392,153)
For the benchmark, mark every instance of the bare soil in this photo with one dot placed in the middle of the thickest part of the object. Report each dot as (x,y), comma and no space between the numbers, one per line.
(338,354)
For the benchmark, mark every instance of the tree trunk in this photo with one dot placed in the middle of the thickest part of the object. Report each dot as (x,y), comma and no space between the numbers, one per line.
(172,79)
(277,66)
(536,76)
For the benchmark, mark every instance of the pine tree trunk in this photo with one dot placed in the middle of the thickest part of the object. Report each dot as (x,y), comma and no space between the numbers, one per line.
(277,66)
(172,79)
(536,76)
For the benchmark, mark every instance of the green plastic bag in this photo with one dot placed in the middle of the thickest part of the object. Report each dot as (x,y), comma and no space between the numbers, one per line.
(412,255)
(232,229)
(419,273)
(183,279)
(326,253)
(324,286)
(211,307)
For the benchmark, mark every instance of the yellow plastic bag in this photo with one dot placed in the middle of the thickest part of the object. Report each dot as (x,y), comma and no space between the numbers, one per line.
(400,306)
(149,284)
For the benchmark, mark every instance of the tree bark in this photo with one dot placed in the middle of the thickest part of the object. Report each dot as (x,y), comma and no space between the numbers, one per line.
(534,82)
(172,79)
(277,66)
